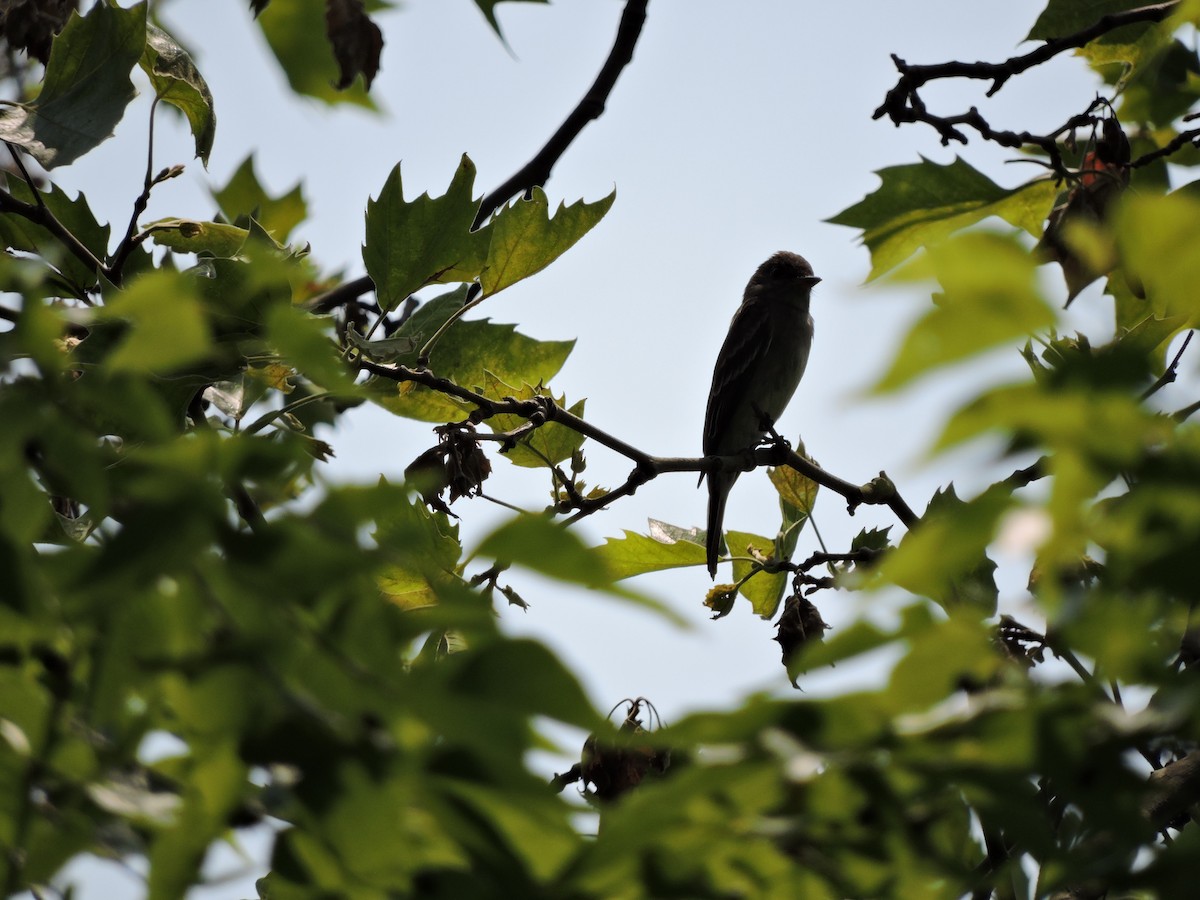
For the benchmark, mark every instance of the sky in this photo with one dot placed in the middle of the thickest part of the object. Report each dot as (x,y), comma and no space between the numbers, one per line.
(735,132)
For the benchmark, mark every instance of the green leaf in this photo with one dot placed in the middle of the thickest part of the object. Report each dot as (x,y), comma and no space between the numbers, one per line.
(524,238)
(427,241)
(296,35)
(19,233)
(665,547)
(168,326)
(190,236)
(989,297)
(919,205)
(943,657)
(86,88)
(431,554)
(177,81)
(303,341)
(472,353)
(1160,245)
(244,198)
(1063,17)
(943,556)
(1131,45)
(535,828)
(216,781)
(548,548)
(764,589)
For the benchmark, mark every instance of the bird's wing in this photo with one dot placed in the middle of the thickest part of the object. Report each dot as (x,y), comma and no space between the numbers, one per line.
(749,338)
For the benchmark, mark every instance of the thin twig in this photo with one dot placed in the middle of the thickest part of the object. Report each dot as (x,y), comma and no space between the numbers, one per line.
(127,245)
(1171,372)
(903,103)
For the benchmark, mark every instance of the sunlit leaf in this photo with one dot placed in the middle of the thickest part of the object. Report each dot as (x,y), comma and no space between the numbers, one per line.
(989,296)
(918,205)
(473,353)
(191,236)
(637,554)
(524,238)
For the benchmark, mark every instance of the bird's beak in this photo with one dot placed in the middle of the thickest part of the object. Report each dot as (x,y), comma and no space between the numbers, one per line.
(810,280)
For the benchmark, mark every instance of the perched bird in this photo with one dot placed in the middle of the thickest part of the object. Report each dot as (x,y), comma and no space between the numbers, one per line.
(757,371)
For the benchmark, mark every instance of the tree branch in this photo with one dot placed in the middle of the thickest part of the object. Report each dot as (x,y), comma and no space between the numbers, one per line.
(536,172)
(903,103)
(541,410)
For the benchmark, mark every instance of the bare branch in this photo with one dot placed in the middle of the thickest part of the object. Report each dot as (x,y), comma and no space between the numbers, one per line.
(903,102)
(536,172)
(541,410)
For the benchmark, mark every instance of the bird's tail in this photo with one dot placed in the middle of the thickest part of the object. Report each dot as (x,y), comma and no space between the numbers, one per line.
(719,485)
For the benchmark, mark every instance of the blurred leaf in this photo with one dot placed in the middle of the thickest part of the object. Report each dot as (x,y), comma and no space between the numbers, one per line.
(303,341)
(524,238)
(357,41)
(168,327)
(216,781)
(989,297)
(296,37)
(177,81)
(86,88)
(943,556)
(943,658)
(1157,237)
(426,241)
(918,205)
(243,197)
(488,8)
(548,548)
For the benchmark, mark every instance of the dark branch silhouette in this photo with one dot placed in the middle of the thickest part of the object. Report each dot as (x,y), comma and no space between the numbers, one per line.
(536,172)
(903,103)
(540,410)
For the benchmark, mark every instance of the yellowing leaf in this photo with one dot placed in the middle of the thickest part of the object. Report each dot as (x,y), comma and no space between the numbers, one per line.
(524,238)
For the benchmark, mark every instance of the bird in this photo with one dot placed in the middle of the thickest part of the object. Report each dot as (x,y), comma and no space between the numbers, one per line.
(756,374)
